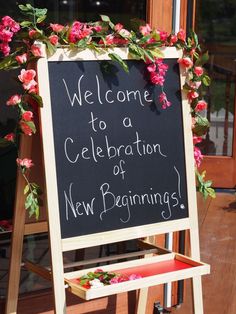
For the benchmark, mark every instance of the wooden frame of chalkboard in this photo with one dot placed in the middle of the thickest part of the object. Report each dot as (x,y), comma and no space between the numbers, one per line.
(103,162)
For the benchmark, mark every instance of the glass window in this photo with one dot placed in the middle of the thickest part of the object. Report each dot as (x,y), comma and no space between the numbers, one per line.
(216,27)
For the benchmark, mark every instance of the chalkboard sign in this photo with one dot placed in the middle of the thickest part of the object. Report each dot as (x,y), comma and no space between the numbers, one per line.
(120,157)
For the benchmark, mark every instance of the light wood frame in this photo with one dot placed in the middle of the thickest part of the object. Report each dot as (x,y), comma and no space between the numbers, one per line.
(58,245)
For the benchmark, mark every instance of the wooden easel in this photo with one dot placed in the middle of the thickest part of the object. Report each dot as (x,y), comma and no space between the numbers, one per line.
(59,245)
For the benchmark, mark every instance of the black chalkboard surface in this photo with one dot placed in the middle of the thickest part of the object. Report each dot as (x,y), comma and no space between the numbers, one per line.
(120,157)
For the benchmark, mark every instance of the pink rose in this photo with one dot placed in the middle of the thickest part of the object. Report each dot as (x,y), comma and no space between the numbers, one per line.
(201,105)
(25,128)
(186,62)
(145,30)
(197,156)
(198,71)
(57,28)
(27,78)
(36,51)
(32,33)
(21,58)
(53,39)
(192,95)
(14,100)
(97,28)
(27,163)
(181,35)
(10,137)
(163,36)
(27,116)
(118,27)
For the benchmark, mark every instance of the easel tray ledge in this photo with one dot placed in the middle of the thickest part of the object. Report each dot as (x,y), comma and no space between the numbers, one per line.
(154,271)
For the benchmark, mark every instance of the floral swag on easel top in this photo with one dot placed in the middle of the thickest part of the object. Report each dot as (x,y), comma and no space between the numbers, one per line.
(18,46)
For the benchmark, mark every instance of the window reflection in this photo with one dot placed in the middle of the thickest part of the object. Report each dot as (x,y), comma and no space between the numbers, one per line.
(216,27)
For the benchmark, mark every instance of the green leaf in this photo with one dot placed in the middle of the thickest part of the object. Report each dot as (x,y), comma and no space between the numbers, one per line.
(31,125)
(105,18)
(41,18)
(206,80)
(9,62)
(157,53)
(136,23)
(22,7)
(26,189)
(203,59)
(37,98)
(26,24)
(136,51)
(201,125)
(117,58)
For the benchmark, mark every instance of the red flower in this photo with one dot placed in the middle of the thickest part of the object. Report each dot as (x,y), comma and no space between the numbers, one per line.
(26,129)
(201,105)
(181,35)
(53,39)
(7,21)
(27,163)
(10,137)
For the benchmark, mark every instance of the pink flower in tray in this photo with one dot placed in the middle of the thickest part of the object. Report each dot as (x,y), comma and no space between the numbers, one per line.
(14,100)
(27,163)
(134,277)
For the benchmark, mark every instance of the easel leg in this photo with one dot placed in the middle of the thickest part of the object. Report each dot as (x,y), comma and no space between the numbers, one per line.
(197,295)
(17,236)
(142,301)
